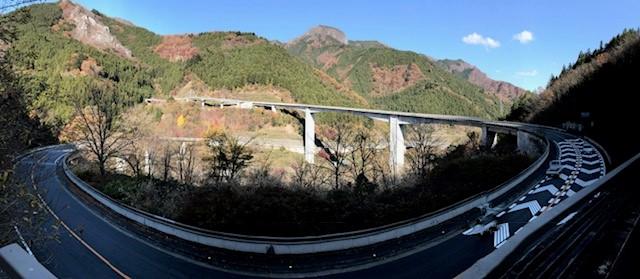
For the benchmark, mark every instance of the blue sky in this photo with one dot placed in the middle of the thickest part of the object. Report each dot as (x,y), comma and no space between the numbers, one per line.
(440,29)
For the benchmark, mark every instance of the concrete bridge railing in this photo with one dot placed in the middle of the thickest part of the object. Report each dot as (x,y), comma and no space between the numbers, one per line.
(341,241)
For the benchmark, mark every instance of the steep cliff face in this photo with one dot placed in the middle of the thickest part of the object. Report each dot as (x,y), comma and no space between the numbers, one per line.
(89,30)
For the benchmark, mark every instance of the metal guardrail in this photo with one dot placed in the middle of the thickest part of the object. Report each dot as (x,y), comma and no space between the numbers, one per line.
(313,244)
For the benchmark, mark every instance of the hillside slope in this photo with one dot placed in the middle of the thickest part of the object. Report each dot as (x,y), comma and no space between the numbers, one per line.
(507,92)
(63,47)
(598,92)
(390,78)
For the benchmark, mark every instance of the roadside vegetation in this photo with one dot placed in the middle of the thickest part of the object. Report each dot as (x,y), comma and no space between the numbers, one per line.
(20,209)
(350,187)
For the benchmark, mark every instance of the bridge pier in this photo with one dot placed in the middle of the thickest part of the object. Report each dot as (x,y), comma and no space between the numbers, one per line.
(397,147)
(488,139)
(245,105)
(273,109)
(147,162)
(309,136)
(525,143)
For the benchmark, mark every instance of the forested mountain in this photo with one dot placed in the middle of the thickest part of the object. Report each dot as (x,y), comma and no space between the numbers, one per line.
(20,129)
(401,80)
(597,92)
(61,48)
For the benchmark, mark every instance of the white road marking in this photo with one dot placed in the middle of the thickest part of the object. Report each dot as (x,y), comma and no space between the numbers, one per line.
(501,234)
(566,219)
(71,232)
(592,162)
(533,207)
(585,183)
(551,188)
(583,170)
(590,155)
(24,243)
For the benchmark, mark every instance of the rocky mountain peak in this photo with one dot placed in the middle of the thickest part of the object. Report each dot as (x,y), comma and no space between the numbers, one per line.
(322,35)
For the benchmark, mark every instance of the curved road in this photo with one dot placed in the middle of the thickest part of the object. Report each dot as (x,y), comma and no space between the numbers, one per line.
(92,246)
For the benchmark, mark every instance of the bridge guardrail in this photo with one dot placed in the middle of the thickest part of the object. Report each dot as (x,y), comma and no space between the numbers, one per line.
(311,244)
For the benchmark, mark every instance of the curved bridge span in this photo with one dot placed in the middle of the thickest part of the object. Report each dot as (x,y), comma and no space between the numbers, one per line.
(439,244)
(396,119)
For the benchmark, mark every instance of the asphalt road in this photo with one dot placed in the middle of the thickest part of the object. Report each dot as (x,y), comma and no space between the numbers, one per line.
(101,249)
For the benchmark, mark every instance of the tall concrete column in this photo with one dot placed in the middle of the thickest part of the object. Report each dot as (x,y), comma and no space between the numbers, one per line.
(396,145)
(525,143)
(488,138)
(309,136)
(147,162)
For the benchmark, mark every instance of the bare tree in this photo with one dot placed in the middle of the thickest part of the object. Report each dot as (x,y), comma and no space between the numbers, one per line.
(229,157)
(186,162)
(150,162)
(337,152)
(165,160)
(134,158)
(423,154)
(310,176)
(364,149)
(99,112)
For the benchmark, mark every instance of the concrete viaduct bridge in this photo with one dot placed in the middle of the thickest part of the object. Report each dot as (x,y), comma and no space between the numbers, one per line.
(397,146)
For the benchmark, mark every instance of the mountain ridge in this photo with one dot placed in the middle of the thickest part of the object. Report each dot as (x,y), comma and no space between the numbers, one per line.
(322,45)
(504,90)
(52,63)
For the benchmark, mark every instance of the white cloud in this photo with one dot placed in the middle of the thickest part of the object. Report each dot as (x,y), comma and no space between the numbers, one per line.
(477,39)
(524,37)
(531,73)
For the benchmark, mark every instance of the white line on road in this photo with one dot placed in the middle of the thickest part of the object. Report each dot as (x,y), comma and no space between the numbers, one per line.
(533,207)
(71,232)
(566,219)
